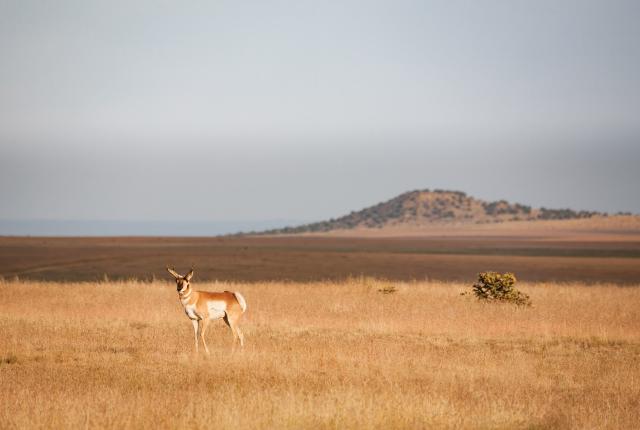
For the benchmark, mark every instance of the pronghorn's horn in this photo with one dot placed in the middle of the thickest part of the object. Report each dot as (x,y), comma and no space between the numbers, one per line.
(189,275)
(173,272)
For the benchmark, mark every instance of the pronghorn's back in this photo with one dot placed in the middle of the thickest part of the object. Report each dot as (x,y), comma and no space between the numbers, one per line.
(229,297)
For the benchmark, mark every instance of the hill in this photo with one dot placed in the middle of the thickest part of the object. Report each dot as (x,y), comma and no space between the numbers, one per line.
(423,207)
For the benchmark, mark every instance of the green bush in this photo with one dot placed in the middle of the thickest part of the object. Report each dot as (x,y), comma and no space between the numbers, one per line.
(493,286)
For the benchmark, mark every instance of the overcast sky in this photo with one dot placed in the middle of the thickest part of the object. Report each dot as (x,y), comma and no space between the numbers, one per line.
(229,110)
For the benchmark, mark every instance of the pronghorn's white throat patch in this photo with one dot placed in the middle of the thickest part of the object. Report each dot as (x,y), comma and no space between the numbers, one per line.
(192,313)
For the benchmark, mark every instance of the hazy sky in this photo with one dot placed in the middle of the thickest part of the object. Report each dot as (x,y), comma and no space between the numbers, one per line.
(227,110)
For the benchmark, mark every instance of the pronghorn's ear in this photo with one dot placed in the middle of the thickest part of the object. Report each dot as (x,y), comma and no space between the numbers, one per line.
(189,275)
(174,273)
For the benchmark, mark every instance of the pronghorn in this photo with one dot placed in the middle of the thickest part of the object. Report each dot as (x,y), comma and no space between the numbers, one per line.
(202,306)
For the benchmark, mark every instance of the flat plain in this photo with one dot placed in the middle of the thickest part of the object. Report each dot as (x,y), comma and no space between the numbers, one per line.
(320,355)
(360,329)
(562,251)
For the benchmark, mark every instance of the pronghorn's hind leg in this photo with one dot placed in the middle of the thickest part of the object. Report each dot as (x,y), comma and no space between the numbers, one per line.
(240,335)
(205,323)
(228,322)
(232,322)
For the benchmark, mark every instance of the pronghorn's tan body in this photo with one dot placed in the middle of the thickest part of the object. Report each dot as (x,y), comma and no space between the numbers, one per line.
(204,306)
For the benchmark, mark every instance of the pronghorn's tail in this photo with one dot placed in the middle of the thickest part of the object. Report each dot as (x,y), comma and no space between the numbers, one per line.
(241,300)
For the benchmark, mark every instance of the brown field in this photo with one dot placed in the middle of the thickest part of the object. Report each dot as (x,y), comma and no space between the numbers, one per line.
(320,355)
(567,251)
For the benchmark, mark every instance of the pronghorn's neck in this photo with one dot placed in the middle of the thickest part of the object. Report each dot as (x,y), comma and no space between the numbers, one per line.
(186,294)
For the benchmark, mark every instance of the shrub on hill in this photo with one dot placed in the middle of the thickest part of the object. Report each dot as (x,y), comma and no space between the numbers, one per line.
(565,214)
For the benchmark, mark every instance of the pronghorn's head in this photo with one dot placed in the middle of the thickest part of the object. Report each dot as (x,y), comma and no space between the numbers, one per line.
(182,282)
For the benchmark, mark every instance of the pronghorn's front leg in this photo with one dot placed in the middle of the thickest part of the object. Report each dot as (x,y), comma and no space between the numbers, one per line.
(196,329)
(203,329)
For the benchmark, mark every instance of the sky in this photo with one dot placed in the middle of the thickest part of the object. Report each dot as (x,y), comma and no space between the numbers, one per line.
(217,111)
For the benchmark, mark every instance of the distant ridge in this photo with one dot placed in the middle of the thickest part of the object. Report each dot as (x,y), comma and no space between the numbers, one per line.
(113,228)
(422,207)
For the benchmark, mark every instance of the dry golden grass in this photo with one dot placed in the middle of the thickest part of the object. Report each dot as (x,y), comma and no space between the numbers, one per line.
(320,355)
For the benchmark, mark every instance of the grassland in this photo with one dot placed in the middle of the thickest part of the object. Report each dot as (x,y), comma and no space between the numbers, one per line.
(320,355)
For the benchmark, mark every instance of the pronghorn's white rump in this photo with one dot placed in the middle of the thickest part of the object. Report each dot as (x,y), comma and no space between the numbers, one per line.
(241,301)
(203,306)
